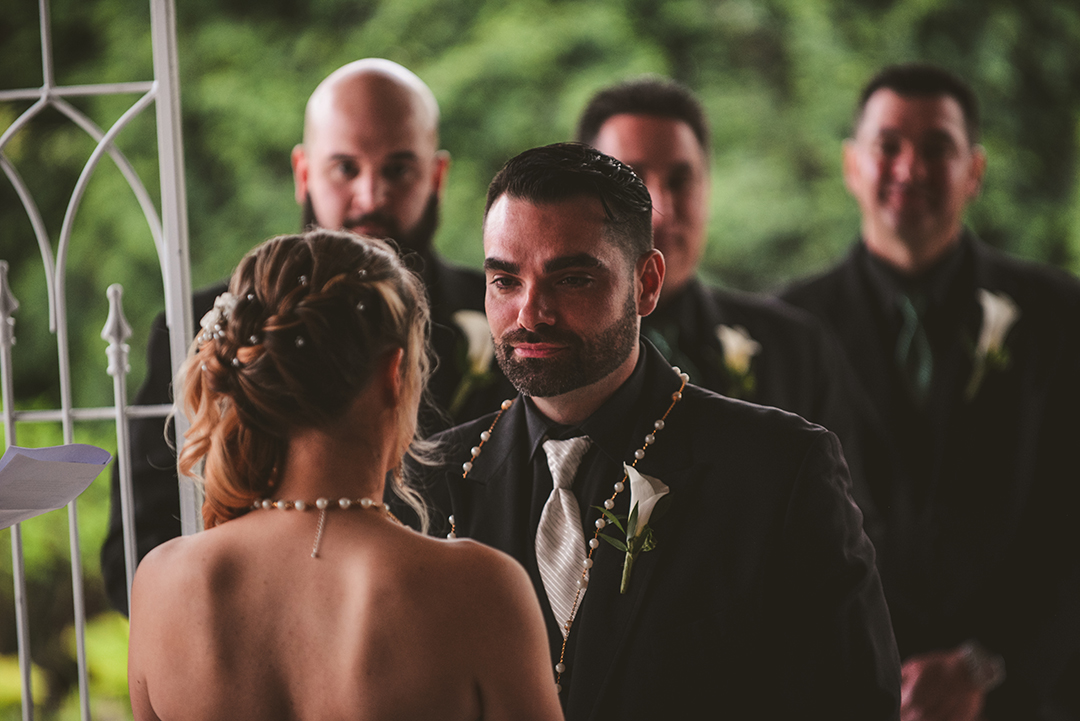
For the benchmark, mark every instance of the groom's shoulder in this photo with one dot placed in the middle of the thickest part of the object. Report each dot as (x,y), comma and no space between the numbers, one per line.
(714,425)
(713,412)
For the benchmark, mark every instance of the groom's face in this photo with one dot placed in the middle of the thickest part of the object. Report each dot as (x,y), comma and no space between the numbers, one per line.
(561,296)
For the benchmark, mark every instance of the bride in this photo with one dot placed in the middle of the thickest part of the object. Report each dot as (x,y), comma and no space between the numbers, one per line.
(305,599)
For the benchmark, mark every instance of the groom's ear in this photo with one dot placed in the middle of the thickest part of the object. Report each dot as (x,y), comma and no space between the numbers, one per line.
(648,280)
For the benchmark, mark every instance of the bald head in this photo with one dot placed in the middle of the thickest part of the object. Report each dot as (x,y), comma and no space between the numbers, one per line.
(370,160)
(375,90)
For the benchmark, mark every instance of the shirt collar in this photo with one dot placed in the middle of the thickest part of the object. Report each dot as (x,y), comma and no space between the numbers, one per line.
(680,311)
(608,427)
(934,284)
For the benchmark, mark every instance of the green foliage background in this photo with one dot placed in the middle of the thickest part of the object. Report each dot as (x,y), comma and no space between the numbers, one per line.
(778,78)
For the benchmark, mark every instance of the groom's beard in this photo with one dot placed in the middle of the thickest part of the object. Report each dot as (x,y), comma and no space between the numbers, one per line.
(588,359)
(416,239)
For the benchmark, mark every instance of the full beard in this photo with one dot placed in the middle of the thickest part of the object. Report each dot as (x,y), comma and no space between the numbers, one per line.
(414,240)
(586,361)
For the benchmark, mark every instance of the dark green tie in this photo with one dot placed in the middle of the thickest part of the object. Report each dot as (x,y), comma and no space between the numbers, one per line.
(914,357)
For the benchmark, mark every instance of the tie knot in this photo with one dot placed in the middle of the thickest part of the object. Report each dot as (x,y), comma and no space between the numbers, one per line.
(563,458)
(912,305)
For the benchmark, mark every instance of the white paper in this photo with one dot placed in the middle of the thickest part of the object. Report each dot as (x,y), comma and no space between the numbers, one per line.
(38,480)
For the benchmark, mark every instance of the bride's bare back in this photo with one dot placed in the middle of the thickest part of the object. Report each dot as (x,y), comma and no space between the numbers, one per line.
(304,384)
(240,622)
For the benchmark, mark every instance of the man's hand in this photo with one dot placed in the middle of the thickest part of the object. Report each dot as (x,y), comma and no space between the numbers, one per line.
(938,686)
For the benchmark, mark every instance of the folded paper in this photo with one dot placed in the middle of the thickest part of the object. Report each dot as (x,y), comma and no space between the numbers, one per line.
(38,480)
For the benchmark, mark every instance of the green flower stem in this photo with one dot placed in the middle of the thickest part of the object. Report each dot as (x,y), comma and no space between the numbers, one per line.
(977,374)
(628,566)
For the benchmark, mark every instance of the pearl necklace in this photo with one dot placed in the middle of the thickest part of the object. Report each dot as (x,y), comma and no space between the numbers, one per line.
(322,504)
(609,503)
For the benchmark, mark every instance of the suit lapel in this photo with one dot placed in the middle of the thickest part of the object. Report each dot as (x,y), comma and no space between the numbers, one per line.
(998,397)
(711,365)
(604,623)
(486,503)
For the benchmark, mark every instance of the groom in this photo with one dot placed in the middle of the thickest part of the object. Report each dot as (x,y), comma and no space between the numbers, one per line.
(760,598)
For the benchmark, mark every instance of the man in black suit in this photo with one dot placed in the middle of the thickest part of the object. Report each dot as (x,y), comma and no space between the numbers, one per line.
(370,162)
(759,597)
(969,358)
(741,345)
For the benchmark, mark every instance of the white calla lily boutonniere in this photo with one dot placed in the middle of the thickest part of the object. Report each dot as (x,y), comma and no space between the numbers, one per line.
(646,493)
(479,352)
(739,351)
(1000,314)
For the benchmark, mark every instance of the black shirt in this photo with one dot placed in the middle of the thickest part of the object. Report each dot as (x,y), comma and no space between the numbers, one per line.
(951,319)
(600,469)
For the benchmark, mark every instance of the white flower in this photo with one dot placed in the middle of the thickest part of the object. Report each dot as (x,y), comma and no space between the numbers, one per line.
(224,305)
(481,349)
(739,347)
(645,492)
(1000,313)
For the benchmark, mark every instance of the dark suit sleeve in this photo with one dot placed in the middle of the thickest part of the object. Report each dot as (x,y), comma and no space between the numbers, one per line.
(153,472)
(846,411)
(840,659)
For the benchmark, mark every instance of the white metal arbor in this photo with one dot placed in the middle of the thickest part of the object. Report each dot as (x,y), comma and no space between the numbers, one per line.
(169,231)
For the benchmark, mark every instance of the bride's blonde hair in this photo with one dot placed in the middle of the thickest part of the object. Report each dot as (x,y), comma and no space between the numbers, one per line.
(291,345)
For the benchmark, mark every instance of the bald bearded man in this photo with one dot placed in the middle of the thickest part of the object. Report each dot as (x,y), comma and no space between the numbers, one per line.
(370,163)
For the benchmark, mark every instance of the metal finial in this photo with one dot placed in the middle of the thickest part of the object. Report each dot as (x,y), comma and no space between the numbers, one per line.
(116,331)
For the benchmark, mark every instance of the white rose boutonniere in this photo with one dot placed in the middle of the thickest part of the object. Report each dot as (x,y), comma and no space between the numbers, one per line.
(1000,314)
(739,351)
(645,493)
(479,352)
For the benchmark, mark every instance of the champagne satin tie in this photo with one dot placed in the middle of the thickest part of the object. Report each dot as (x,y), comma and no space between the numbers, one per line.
(560,542)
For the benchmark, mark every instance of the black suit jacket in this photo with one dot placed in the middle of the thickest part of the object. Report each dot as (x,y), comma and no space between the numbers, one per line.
(977,535)
(156,497)
(799,368)
(761,599)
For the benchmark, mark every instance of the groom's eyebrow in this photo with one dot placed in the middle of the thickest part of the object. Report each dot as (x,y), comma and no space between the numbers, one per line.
(579,260)
(504,265)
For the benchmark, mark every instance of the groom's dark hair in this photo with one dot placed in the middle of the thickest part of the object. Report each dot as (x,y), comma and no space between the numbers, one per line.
(558,172)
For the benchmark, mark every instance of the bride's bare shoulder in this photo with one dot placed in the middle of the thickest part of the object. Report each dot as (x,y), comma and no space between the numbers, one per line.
(465,569)
(181,569)
(475,598)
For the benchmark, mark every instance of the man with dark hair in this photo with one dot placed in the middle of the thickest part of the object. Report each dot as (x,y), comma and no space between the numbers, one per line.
(370,163)
(745,586)
(648,95)
(738,344)
(970,360)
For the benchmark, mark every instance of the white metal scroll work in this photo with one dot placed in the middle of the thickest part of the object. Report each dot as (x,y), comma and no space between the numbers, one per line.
(169,235)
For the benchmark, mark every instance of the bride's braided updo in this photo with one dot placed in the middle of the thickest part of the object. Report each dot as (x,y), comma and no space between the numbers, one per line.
(291,345)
